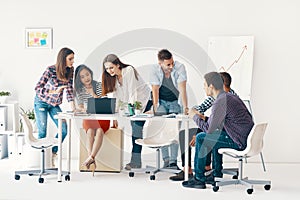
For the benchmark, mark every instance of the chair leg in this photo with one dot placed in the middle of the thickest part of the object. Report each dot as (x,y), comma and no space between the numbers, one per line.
(262,161)
(153,170)
(39,172)
(241,180)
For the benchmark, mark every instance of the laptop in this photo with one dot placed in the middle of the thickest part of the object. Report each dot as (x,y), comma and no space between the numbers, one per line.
(101,105)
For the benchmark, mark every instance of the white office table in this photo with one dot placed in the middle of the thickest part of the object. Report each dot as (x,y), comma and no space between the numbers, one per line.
(69,117)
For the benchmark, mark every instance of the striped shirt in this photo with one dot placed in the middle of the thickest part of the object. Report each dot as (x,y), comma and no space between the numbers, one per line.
(228,112)
(49,81)
(83,95)
(207,103)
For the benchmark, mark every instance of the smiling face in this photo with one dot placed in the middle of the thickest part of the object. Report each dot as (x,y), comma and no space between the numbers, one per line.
(112,69)
(85,77)
(167,65)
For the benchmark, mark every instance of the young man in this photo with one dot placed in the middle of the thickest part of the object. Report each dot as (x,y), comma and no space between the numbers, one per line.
(202,108)
(168,80)
(228,126)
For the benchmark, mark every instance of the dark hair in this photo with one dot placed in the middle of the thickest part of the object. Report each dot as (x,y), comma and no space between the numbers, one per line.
(164,54)
(78,85)
(226,79)
(63,72)
(215,79)
(108,81)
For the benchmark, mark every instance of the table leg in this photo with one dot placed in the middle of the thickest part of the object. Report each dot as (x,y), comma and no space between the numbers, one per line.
(186,145)
(59,153)
(69,146)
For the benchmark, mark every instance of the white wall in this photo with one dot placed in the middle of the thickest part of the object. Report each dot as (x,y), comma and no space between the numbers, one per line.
(85,25)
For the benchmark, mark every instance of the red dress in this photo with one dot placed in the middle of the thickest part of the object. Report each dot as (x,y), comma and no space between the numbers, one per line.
(94,124)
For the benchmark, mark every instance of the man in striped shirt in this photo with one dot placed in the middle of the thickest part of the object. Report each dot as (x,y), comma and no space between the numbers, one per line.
(227,127)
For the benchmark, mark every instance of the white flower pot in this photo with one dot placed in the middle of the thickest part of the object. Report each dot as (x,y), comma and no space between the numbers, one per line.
(3,99)
(137,112)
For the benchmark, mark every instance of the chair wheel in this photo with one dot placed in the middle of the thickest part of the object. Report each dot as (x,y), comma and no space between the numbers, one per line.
(249,191)
(30,174)
(41,180)
(234,177)
(267,187)
(17,177)
(67,177)
(131,174)
(152,177)
(215,188)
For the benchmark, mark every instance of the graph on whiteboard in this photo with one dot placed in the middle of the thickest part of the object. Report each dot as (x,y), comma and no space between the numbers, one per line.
(233,54)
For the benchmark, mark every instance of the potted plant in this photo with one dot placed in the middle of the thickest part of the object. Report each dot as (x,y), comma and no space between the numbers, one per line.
(3,96)
(121,107)
(31,116)
(137,107)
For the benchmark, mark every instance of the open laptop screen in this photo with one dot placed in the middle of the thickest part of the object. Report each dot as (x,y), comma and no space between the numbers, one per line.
(101,105)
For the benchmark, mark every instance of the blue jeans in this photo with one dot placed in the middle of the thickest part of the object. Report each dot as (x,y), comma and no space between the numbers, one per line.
(169,107)
(211,142)
(41,110)
(137,133)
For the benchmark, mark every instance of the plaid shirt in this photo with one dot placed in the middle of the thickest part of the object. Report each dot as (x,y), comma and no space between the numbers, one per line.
(49,81)
(207,103)
(228,112)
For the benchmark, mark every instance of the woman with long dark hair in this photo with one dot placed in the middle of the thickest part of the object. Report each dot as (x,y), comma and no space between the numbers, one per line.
(86,87)
(128,86)
(49,94)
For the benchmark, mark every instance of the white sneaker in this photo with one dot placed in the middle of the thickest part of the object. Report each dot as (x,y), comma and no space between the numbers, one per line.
(53,159)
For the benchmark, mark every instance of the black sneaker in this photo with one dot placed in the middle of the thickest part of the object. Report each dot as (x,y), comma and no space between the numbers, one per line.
(210,179)
(171,166)
(130,166)
(194,183)
(166,163)
(180,176)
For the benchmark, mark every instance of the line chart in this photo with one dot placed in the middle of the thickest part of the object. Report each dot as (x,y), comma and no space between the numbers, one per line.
(235,61)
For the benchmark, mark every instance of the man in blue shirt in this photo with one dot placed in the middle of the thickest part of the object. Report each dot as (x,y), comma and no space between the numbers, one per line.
(168,80)
(228,126)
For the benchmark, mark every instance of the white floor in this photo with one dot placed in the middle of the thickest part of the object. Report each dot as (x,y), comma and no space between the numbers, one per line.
(285,183)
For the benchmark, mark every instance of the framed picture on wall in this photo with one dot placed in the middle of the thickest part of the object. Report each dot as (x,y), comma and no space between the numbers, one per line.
(36,38)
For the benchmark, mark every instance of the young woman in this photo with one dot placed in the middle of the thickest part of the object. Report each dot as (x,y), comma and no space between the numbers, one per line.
(49,93)
(128,86)
(86,87)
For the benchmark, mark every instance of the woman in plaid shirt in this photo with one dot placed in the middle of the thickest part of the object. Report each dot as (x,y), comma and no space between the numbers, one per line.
(49,93)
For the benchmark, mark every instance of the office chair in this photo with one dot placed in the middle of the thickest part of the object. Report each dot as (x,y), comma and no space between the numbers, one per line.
(41,144)
(248,105)
(254,147)
(163,135)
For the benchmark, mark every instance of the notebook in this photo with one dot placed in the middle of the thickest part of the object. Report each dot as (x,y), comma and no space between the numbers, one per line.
(101,105)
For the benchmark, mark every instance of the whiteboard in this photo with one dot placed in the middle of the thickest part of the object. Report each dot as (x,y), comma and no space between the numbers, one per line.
(233,54)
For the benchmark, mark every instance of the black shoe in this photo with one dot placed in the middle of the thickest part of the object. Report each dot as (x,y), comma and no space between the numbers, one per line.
(194,183)
(171,166)
(210,179)
(166,163)
(180,176)
(130,166)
